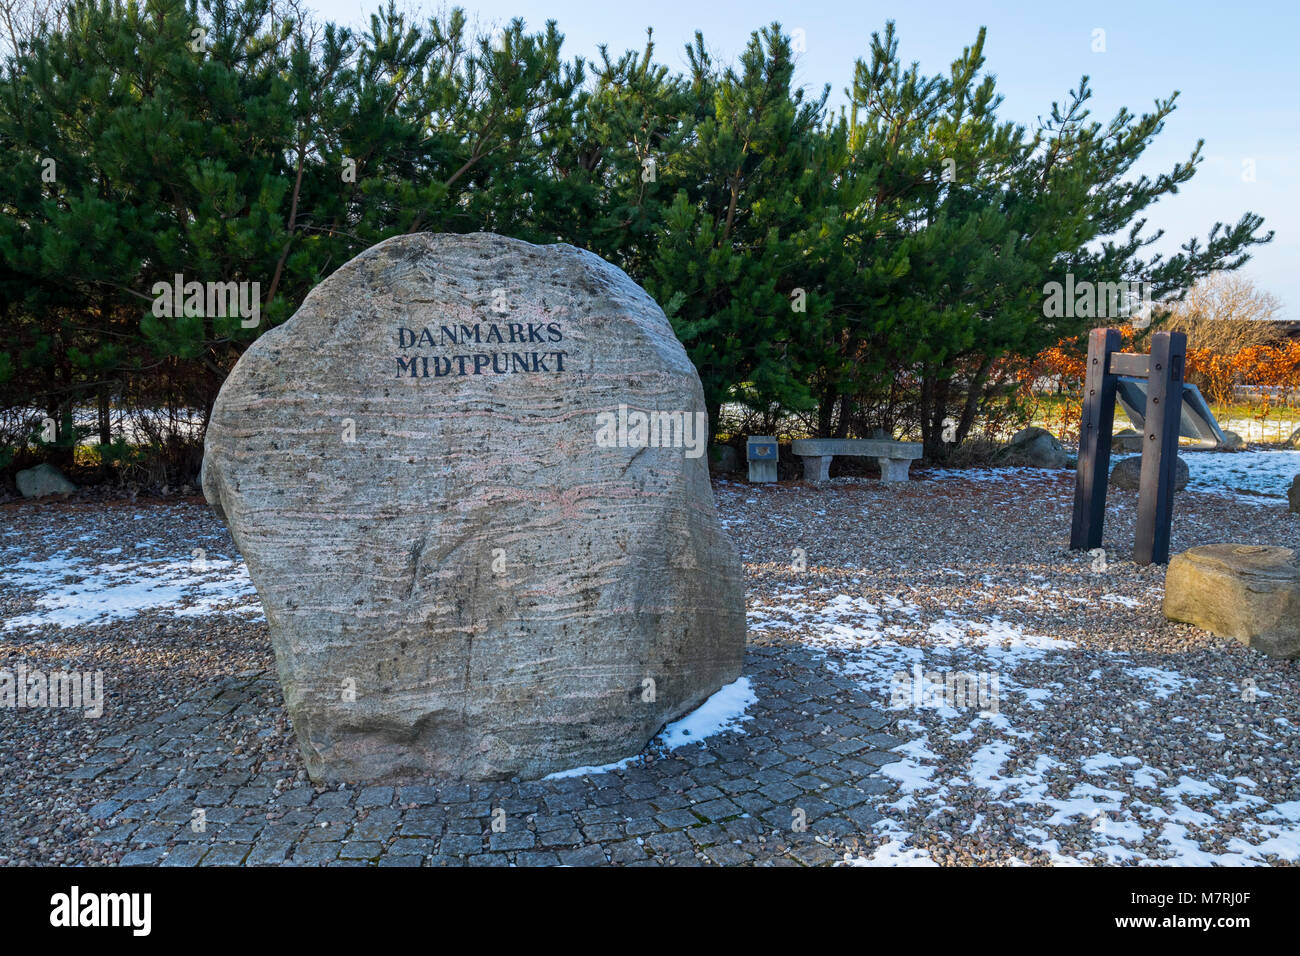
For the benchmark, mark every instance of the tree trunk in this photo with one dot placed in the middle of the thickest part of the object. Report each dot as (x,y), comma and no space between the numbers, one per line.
(846,415)
(974,391)
(928,443)
(826,412)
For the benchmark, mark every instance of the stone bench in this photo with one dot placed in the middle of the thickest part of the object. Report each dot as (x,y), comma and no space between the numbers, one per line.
(894,456)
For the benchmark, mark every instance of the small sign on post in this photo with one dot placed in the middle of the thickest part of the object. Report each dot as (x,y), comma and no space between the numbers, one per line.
(1163,370)
(762,454)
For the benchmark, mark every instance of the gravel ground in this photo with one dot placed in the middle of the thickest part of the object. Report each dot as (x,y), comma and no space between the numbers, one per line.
(1118,736)
(1107,734)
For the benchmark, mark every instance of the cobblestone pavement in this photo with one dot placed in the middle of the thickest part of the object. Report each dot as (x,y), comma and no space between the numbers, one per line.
(794,786)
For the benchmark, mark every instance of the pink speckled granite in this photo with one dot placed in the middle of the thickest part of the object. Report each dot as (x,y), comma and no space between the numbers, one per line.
(499,590)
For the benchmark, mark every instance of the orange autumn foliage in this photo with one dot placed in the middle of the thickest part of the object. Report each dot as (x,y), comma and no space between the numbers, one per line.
(1270,366)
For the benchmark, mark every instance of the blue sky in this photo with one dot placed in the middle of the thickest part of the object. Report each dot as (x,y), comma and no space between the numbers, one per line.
(1233,63)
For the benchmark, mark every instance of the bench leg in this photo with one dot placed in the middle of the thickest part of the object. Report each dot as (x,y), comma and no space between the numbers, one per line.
(894,469)
(817,468)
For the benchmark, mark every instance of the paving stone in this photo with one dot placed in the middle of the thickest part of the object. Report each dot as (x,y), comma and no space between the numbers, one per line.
(187,855)
(460,844)
(814,854)
(727,854)
(226,854)
(879,758)
(514,838)
(676,819)
(782,792)
(706,835)
(640,825)
(315,852)
(863,816)
(718,809)
(253,796)
(327,833)
(414,846)
(145,857)
(626,851)
(738,785)
(670,801)
(118,833)
(675,841)
(297,797)
(153,833)
(419,795)
(426,823)
(378,825)
(105,809)
(269,852)
(814,741)
(375,797)
(561,836)
(333,798)
(584,856)
(601,832)
(361,850)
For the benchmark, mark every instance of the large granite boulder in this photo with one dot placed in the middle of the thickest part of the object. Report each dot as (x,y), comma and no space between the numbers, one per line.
(1127,474)
(479,558)
(1035,448)
(42,480)
(1294,440)
(1247,592)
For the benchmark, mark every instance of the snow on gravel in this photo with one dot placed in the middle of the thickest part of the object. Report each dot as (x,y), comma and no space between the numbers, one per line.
(1245,476)
(1012,763)
(74,591)
(77,582)
(1111,736)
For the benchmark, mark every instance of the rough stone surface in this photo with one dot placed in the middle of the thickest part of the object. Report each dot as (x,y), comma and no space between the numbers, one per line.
(817,468)
(1232,441)
(1294,440)
(1128,473)
(1036,448)
(498,586)
(893,469)
(1247,592)
(1126,440)
(1293,494)
(42,480)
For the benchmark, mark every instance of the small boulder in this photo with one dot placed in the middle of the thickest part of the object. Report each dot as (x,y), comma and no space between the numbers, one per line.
(1293,494)
(1231,442)
(1246,592)
(1034,448)
(1294,440)
(1127,474)
(1126,440)
(41,481)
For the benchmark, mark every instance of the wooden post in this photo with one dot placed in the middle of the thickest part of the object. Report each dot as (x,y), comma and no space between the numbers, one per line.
(1095,423)
(1160,447)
